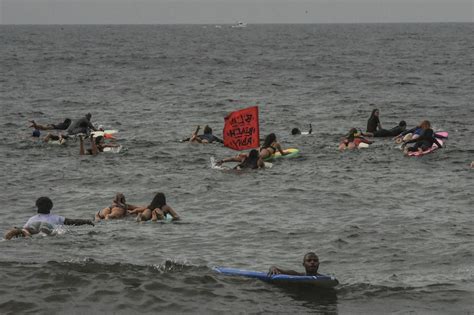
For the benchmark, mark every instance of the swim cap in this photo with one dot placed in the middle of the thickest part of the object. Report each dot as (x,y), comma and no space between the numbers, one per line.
(44,205)
(36,133)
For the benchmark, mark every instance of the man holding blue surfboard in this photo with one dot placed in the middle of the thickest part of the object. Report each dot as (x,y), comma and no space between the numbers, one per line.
(310,263)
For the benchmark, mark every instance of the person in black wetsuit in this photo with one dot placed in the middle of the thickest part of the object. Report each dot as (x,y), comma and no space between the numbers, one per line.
(424,141)
(374,122)
(247,161)
(207,137)
(61,126)
(310,263)
(395,131)
(82,125)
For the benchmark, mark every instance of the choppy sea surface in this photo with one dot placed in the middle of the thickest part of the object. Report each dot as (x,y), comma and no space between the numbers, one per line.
(397,232)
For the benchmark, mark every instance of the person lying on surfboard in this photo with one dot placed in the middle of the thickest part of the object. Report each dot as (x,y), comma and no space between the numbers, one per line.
(425,141)
(81,125)
(409,134)
(60,126)
(310,264)
(44,221)
(118,209)
(246,161)
(352,140)
(156,210)
(395,131)
(270,146)
(296,131)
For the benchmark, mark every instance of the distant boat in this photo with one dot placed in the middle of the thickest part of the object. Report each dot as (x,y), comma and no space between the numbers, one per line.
(240,24)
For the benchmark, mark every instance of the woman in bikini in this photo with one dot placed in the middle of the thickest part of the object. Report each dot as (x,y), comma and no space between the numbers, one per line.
(156,210)
(270,146)
(118,209)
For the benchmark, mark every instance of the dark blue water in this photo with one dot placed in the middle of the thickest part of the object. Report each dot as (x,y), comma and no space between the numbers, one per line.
(397,232)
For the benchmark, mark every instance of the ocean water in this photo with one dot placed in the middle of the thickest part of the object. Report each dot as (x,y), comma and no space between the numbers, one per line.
(397,232)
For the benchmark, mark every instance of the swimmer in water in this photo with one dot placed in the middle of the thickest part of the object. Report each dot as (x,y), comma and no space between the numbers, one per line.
(207,137)
(395,131)
(44,221)
(156,210)
(246,161)
(374,122)
(117,210)
(270,146)
(296,131)
(425,141)
(310,264)
(60,126)
(82,125)
(97,145)
(352,140)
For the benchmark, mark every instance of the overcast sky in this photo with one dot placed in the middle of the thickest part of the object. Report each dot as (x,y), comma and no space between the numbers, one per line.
(230,11)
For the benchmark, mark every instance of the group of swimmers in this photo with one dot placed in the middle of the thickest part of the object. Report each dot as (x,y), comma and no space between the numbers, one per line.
(81,128)
(422,136)
(45,222)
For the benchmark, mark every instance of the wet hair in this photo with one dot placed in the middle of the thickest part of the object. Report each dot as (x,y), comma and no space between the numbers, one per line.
(207,130)
(120,201)
(158,201)
(373,112)
(309,254)
(425,124)
(295,131)
(44,205)
(351,135)
(67,121)
(36,133)
(99,139)
(402,123)
(269,140)
(88,116)
(251,161)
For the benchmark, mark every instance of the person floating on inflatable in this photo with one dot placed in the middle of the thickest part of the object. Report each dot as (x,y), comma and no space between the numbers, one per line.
(44,221)
(310,264)
(353,140)
(270,146)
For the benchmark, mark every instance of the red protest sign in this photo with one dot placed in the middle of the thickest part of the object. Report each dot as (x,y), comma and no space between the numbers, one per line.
(241,130)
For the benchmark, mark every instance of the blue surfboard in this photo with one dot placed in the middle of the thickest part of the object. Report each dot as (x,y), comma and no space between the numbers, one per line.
(319,280)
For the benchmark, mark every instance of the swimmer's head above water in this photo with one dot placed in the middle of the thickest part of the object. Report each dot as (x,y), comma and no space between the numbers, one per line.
(44,205)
